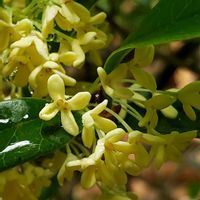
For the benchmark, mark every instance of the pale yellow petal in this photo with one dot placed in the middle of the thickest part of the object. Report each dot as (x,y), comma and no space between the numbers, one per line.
(87,120)
(49,111)
(50,64)
(69,123)
(86,38)
(189,111)
(81,11)
(88,178)
(63,23)
(115,135)
(98,18)
(69,81)
(48,19)
(56,87)
(79,101)
(104,124)
(144,78)
(79,53)
(68,12)
(33,76)
(88,136)
(170,112)
(67,58)
(99,108)
(143,56)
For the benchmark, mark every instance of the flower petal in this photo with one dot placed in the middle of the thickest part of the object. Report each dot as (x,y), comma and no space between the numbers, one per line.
(79,101)
(79,53)
(99,108)
(104,124)
(88,136)
(88,178)
(69,123)
(33,76)
(47,19)
(56,87)
(48,112)
(87,120)
(69,81)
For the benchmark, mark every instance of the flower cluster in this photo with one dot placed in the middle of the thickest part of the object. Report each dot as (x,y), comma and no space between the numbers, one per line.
(24,182)
(24,50)
(41,43)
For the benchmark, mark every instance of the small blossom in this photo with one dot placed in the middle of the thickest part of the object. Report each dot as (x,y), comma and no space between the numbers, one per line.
(92,120)
(168,147)
(5,29)
(48,19)
(68,15)
(63,173)
(39,76)
(143,56)
(190,98)
(112,82)
(34,48)
(157,102)
(85,165)
(56,89)
(144,78)
(25,55)
(18,67)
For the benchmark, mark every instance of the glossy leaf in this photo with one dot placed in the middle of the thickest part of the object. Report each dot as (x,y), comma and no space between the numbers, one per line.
(88,4)
(166,125)
(24,136)
(169,20)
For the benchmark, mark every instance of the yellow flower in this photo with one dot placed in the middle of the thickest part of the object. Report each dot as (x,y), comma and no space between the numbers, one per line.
(167,147)
(56,89)
(66,173)
(190,98)
(68,15)
(157,102)
(48,19)
(143,57)
(22,28)
(25,55)
(26,182)
(112,83)
(5,29)
(71,53)
(18,67)
(33,47)
(92,39)
(39,77)
(92,120)
(85,165)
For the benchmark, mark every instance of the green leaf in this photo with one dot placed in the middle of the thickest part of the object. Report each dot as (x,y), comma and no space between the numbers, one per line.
(87,3)
(166,125)
(1,3)
(169,20)
(23,135)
